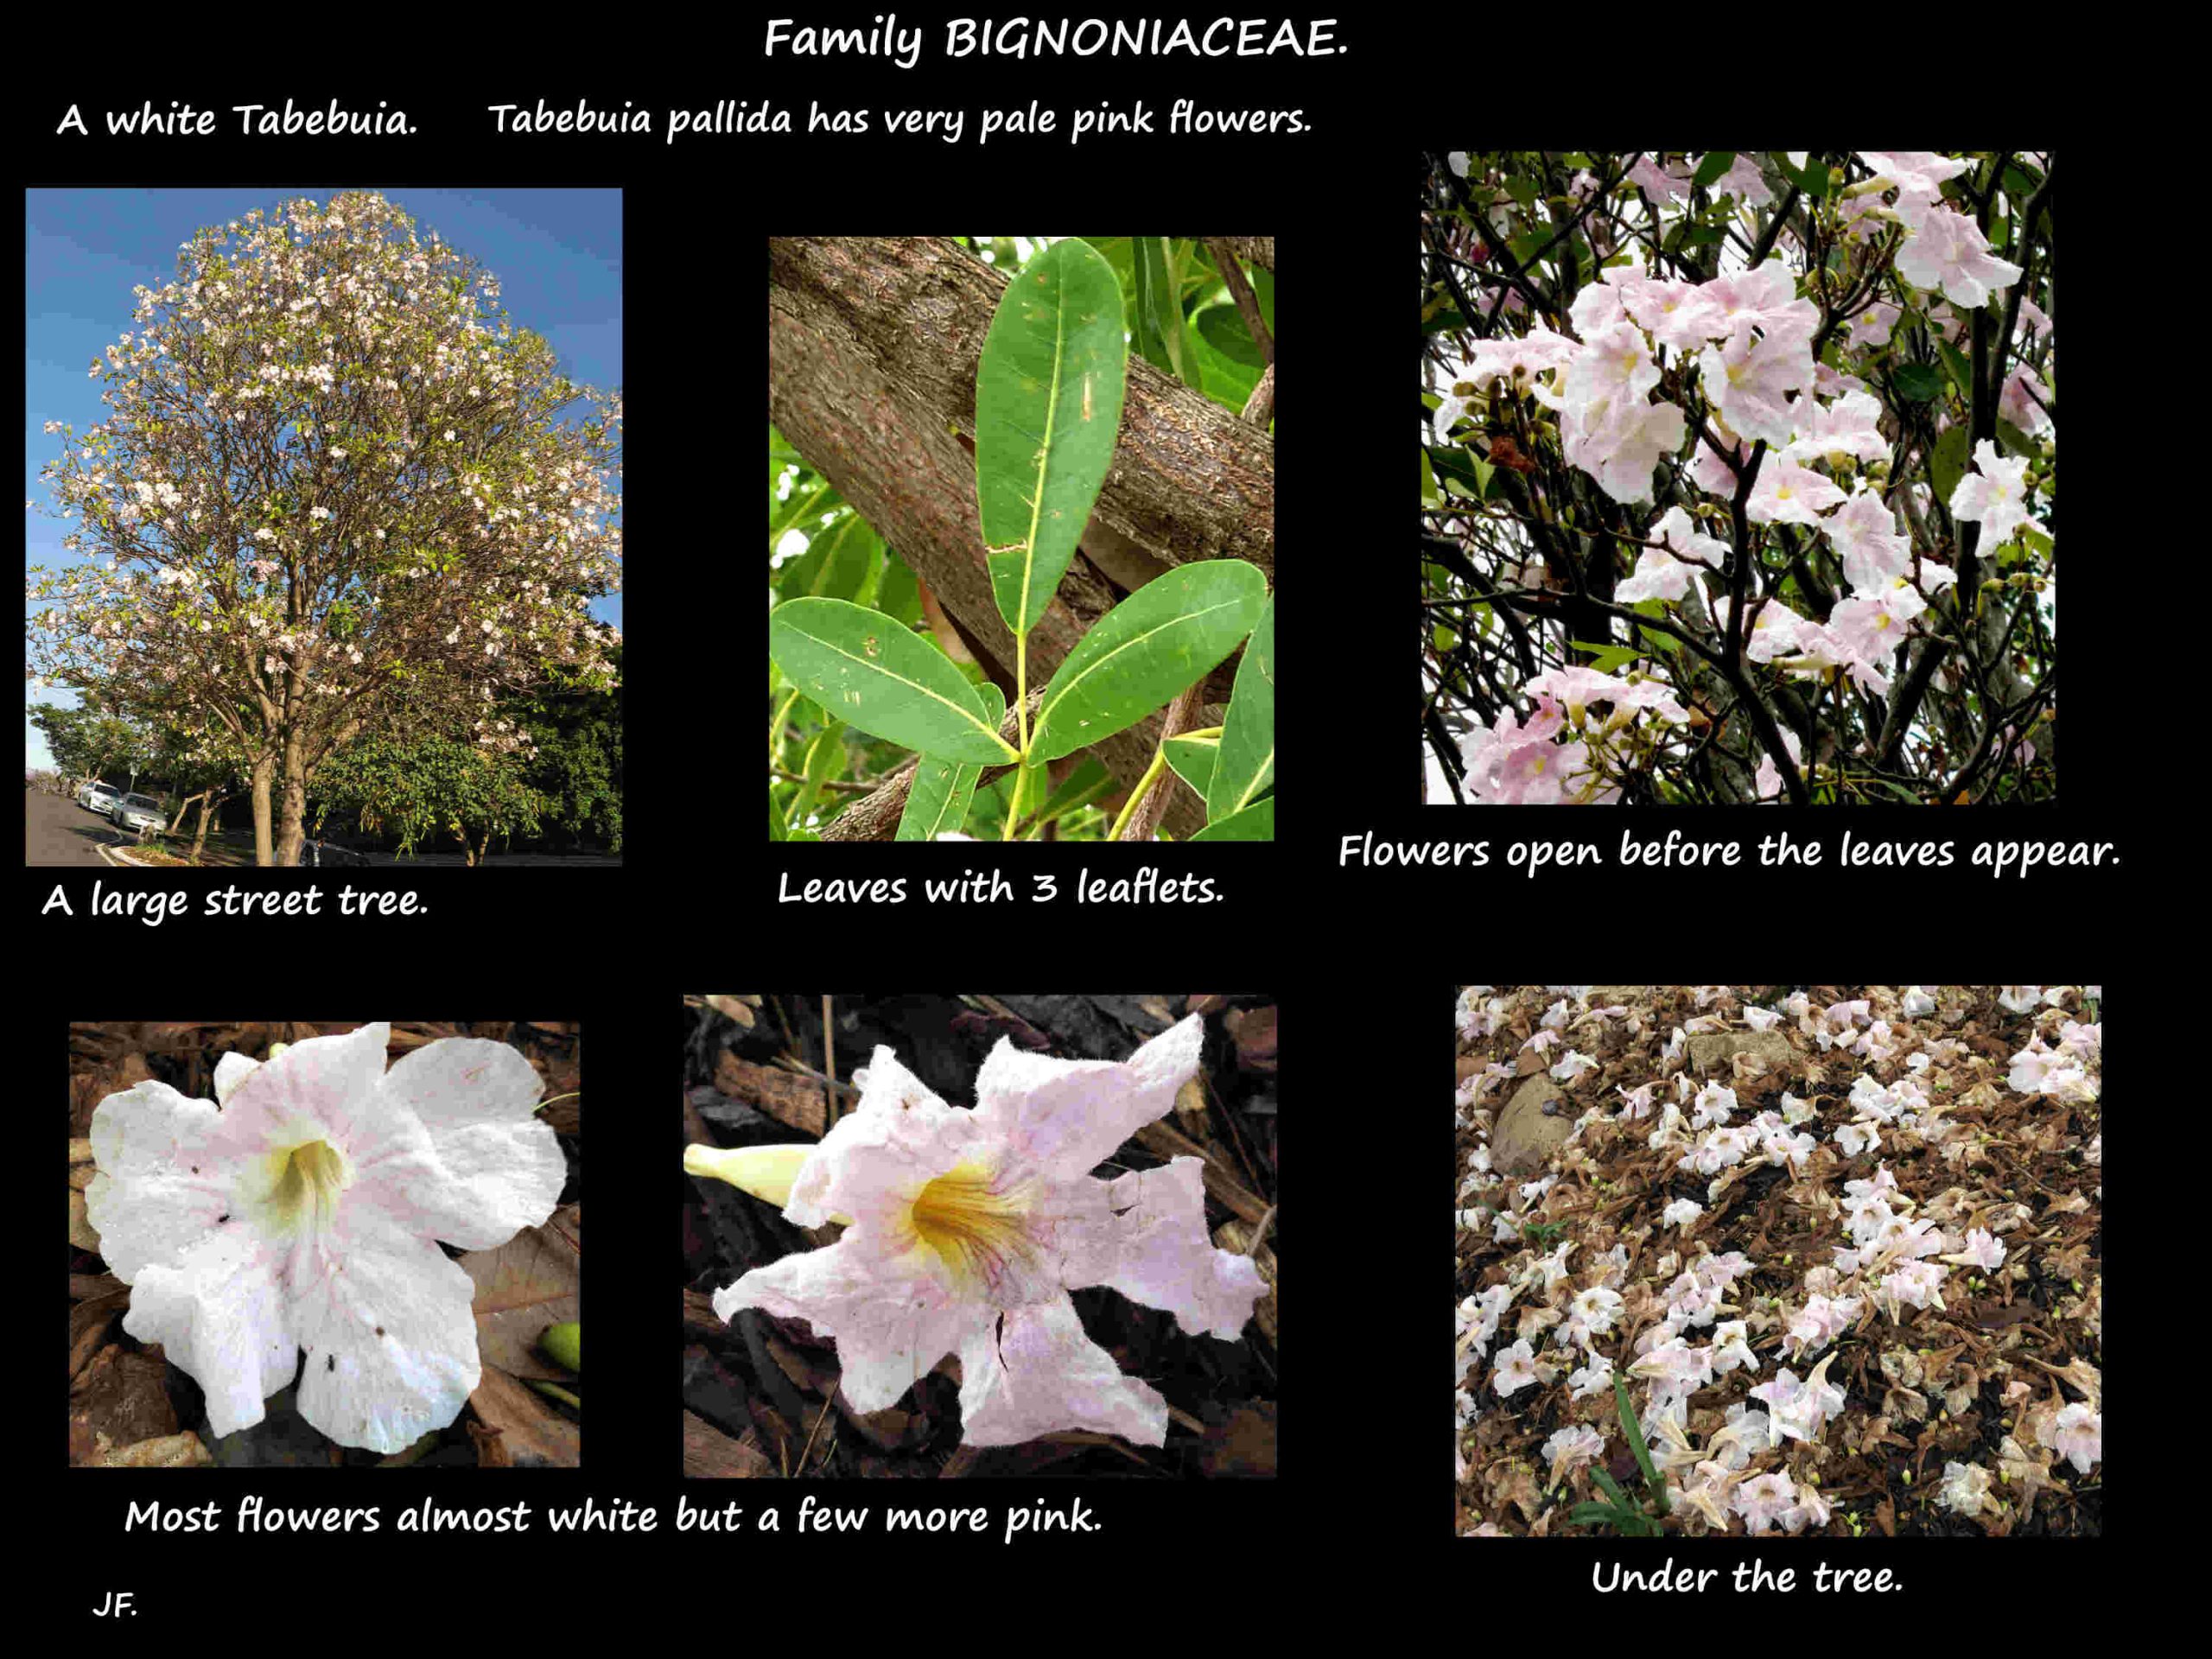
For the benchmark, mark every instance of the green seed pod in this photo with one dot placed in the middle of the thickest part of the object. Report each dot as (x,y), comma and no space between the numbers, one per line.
(564,1345)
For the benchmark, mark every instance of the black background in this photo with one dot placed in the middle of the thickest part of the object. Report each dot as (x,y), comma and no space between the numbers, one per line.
(1364,963)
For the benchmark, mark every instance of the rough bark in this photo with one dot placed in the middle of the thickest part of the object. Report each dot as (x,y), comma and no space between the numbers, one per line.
(875,816)
(264,846)
(1260,250)
(1144,822)
(291,828)
(872,350)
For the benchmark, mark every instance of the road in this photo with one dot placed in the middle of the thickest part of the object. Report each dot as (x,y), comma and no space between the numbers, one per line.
(56,830)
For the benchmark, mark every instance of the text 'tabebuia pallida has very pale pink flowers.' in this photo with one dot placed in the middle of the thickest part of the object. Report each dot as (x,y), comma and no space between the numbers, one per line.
(303,1211)
(968,1228)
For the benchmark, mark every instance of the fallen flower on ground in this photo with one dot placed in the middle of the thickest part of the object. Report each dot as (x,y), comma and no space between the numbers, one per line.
(1928,1275)
(971,1226)
(2077,1435)
(303,1211)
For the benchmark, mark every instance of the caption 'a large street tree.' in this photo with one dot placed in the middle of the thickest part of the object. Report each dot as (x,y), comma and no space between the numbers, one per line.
(337,493)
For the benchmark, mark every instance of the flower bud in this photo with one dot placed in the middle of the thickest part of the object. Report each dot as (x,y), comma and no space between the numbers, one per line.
(564,1345)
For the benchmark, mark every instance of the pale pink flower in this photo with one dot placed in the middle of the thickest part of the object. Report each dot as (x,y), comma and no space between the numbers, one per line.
(1995,495)
(1762,1499)
(970,1227)
(2076,1435)
(1515,1370)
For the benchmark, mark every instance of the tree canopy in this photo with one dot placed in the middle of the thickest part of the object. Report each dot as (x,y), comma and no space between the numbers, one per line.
(338,493)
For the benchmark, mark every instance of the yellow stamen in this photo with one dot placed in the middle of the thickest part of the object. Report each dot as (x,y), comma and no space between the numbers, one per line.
(979,1230)
(306,1181)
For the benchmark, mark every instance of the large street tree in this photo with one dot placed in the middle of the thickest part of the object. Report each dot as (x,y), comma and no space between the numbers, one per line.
(338,493)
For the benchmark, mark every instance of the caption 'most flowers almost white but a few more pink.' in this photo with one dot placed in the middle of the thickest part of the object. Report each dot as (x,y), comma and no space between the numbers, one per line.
(303,1211)
(969,1229)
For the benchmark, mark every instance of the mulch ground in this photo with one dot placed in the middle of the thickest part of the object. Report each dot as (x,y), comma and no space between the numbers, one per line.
(1973,1381)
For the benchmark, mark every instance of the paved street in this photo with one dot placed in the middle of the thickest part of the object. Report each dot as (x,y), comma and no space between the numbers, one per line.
(56,830)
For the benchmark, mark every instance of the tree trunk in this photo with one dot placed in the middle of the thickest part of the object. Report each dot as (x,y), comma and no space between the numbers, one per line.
(292,827)
(207,804)
(872,350)
(265,772)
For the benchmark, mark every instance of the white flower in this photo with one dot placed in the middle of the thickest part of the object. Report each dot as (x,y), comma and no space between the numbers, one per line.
(1516,1369)
(1570,1447)
(1730,1348)
(1682,1212)
(1596,1377)
(1573,1066)
(1597,1308)
(1982,1251)
(302,1214)
(1762,1499)
(1965,1489)
(1855,1138)
(2077,1435)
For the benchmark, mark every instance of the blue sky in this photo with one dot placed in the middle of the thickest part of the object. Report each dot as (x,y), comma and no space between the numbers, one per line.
(557,255)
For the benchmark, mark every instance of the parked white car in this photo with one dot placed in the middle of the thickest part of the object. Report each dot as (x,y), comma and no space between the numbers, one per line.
(99,798)
(134,813)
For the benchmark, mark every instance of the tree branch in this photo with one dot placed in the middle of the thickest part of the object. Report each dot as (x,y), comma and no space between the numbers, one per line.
(875,818)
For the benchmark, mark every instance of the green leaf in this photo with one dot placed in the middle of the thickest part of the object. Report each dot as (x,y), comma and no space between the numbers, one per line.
(1948,464)
(1594,1514)
(838,560)
(1226,383)
(1144,650)
(898,594)
(1246,767)
(1715,163)
(825,759)
(1192,759)
(1255,823)
(1459,465)
(1048,408)
(1961,371)
(1606,658)
(937,799)
(1429,497)
(1149,328)
(1635,1432)
(1221,326)
(1918,382)
(867,670)
(1084,785)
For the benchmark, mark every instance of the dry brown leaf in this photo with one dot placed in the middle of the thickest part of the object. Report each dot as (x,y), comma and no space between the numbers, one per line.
(120,1398)
(708,1451)
(170,1452)
(526,1284)
(517,1427)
